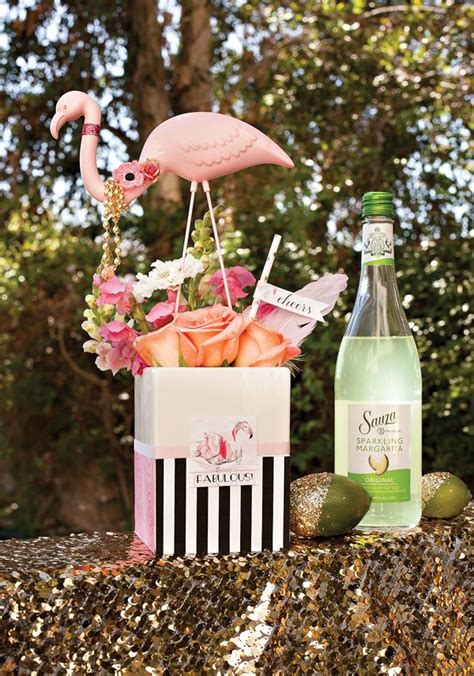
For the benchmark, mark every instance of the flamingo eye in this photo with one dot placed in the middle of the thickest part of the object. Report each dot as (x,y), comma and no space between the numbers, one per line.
(64,107)
(129,176)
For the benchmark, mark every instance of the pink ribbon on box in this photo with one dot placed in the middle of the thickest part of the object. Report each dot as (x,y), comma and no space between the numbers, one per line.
(173,452)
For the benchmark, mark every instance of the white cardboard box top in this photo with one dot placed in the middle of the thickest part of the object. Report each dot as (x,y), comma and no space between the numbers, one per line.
(166,398)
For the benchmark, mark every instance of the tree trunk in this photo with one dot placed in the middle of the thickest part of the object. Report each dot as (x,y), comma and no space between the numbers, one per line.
(150,94)
(193,91)
(153,103)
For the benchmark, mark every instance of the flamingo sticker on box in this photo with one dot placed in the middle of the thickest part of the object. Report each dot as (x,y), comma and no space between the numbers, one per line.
(212,383)
(223,450)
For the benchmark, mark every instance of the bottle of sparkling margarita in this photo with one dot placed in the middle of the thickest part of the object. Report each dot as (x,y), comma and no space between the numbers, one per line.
(378,384)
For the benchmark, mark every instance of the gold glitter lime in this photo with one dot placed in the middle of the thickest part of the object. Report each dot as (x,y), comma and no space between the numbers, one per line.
(323,505)
(443,495)
(307,497)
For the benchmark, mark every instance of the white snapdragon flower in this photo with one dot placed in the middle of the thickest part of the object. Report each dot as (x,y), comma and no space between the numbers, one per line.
(90,346)
(91,329)
(165,275)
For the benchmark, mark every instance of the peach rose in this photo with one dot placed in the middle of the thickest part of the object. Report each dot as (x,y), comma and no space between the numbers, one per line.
(210,336)
(260,346)
(159,348)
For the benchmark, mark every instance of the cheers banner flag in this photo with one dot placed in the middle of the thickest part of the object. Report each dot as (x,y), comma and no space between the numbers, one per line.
(287,300)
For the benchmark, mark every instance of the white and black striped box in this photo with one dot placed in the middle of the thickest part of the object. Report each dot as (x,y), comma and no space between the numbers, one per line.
(212,464)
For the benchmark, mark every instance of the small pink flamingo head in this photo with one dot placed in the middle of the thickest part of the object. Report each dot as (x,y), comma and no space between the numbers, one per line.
(242,426)
(71,106)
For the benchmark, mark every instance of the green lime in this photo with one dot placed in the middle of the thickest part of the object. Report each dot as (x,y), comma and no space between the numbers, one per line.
(443,495)
(323,505)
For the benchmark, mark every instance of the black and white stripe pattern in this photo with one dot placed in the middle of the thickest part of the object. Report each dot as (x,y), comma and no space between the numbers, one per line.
(222,519)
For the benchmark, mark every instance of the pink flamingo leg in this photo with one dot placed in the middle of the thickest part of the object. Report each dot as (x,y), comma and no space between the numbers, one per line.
(193,189)
(205,187)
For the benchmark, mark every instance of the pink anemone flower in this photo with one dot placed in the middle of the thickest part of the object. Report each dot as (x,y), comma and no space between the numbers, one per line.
(129,175)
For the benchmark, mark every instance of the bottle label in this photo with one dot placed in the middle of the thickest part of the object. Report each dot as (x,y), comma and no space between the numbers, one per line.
(377,243)
(379,449)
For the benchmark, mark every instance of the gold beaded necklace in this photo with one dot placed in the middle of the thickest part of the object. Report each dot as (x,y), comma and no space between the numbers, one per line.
(114,205)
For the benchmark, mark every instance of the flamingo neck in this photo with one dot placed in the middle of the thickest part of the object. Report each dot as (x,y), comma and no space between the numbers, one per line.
(88,158)
(88,154)
(92,114)
(88,162)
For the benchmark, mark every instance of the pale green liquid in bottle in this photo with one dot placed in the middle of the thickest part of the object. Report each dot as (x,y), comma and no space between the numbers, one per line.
(378,392)
(381,369)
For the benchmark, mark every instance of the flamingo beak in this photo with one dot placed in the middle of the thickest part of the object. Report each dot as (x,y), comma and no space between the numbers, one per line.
(250,434)
(56,124)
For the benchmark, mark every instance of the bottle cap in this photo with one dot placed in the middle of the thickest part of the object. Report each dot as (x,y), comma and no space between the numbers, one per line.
(377,204)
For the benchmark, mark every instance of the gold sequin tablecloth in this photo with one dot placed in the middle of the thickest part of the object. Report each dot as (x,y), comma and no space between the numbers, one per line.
(365,604)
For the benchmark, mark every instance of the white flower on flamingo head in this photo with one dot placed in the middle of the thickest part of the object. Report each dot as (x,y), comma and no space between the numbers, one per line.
(165,275)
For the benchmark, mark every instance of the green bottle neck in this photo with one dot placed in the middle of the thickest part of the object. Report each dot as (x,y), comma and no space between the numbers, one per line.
(378,310)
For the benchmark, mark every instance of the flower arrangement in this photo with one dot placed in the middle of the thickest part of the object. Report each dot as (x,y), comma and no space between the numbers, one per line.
(174,315)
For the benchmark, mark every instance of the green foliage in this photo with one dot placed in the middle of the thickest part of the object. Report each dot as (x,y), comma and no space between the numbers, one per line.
(363,95)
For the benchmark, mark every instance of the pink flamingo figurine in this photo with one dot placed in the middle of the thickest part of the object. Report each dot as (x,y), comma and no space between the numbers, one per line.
(217,451)
(196,146)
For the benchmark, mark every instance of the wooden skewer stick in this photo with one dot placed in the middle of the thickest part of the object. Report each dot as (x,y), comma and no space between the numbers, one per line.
(266,272)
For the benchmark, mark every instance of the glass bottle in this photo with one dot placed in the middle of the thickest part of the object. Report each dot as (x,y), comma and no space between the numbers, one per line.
(378,384)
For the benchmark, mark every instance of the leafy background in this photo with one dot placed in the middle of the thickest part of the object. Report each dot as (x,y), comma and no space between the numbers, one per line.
(363,95)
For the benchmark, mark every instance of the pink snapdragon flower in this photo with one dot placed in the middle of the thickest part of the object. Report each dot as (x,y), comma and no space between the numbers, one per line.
(162,313)
(114,292)
(138,365)
(119,354)
(102,350)
(238,278)
(118,332)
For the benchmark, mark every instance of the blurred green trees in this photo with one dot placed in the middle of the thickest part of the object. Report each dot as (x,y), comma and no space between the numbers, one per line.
(363,95)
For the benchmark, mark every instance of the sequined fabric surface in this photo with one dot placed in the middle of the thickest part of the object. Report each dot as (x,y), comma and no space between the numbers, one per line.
(363,603)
